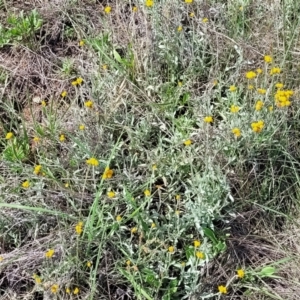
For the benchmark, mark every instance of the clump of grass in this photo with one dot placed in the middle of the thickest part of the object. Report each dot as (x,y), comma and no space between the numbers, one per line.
(126,179)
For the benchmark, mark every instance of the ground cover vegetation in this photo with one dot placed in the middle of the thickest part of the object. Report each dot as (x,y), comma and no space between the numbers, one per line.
(149,149)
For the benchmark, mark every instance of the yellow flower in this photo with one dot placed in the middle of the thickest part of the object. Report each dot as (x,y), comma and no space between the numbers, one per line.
(81,43)
(149,3)
(108,173)
(37,279)
(128,263)
(188,1)
(64,94)
(250,75)
(92,162)
(200,255)
(222,289)
(208,119)
(89,103)
(44,103)
(171,249)
(107,9)
(259,71)
(270,108)
(197,243)
(49,253)
(133,230)
(250,87)
(78,81)
(78,228)
(153,225)
(76,291)
(234,108)
(279,85)
(268,59)
(111,194)
(54,288)
(236,131)
(215,82)
(259,105)
(192,15)
(62,138)
(89,264)
(261,91)
(154,167)
(232,88)
(147,193)
(179,83)
(177,212)
(204,20)
(104,67)
(240,273)
(26,184)
(68,291)
(9,135)
(118,218)
(282,97)
(177,197)
(36,139)
(187,142)
(135,9)
(81,127)
(37,169)
(258,126)
(179,28)
(275,70)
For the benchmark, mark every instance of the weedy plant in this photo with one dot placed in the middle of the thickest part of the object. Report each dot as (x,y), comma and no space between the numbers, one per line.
(151,129)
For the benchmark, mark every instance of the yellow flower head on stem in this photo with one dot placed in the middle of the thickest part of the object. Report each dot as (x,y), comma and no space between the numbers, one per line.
(111,194)
(63,94)
(147,193)
(250,75)
(26,184)
(78,228)
(88,104)
(187,142)
(268,59)
(149,3)
(234,109)
(208,119)
(108,173)
(9,136)
(92,162)
(107,9)
(171,249)
(240,273)
(200,255)
(62,138)
(49,253)
(232,88)
(76,291)
(222,289)
(197,243)
(37,169)
(259,105)
(54,288)
(236,131)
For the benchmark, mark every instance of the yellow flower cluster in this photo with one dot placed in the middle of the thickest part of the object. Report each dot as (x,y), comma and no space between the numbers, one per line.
(9,135)
(250,75)
(275,70)
(49,253)
(259,105)
(78,81)
(234,108)
(236,131)
(92,161)
(78,228)
(282,98)
(149,3)
(258,126)
(37,169)
(108,173)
